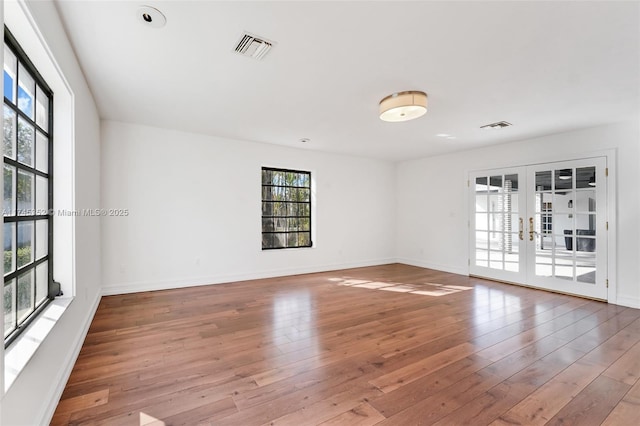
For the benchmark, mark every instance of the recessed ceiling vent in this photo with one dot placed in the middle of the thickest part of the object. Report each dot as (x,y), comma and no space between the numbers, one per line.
(498,125)
(253,46)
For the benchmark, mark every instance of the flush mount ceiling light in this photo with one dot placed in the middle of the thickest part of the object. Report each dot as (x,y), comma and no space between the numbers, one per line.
(151,16)
(403,106)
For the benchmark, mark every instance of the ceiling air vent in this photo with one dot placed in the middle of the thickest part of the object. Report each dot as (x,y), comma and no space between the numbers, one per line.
(498,125)
(253,46)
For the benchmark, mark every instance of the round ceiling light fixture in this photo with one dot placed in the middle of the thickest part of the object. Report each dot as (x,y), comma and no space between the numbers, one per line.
(151,16)
(403,106)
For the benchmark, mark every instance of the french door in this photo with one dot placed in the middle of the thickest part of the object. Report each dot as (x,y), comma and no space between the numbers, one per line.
(542,225)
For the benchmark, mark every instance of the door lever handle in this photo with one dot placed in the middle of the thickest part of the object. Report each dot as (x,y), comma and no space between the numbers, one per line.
(531,232)
(521,229)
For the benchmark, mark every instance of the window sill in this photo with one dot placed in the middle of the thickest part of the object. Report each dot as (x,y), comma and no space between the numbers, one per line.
(18,354)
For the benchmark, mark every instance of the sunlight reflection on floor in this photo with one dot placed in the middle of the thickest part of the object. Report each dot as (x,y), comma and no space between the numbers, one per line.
(423,289)
(147,420)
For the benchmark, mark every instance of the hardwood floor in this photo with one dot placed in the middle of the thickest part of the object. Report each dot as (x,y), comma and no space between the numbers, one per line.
(386,345)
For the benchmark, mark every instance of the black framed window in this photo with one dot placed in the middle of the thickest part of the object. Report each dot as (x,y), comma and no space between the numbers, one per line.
(286,208)
(28,190)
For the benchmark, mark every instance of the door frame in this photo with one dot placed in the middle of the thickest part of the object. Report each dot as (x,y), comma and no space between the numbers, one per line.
(611,212)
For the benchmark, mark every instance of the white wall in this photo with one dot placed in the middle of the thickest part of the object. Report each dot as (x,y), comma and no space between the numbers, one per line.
(195,208)
(34,394)
(432,198)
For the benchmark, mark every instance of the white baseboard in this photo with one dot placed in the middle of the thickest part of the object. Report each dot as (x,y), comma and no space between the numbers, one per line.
(629,302)
(65,369)
(136,287)
(437,267)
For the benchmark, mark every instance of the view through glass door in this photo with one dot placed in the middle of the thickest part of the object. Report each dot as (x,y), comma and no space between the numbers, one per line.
(542,225)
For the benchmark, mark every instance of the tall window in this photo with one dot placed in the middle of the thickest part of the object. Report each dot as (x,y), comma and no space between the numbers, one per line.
(286,208)
(28,190)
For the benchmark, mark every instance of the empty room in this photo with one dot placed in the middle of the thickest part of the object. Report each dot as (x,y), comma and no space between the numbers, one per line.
(320,213)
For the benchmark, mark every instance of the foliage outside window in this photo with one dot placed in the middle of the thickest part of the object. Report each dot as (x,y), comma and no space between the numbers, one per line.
(286,208)
(27,162)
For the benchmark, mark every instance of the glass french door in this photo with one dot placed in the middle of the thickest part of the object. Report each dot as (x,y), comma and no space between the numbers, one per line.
(542,225)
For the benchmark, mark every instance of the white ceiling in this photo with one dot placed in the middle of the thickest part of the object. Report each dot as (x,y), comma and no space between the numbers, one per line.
(546,67)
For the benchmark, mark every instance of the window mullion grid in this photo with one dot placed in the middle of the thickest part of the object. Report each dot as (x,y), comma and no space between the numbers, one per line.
(44,89)
(281,188)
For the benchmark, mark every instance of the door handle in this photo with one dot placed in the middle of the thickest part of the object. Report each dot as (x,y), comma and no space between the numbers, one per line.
(521,230)
(531,232)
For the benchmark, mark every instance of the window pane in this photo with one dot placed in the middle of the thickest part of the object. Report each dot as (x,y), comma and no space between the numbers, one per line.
(9,207)
(482,240)
(304,239)
(42,282)
(279,240)
(25,243)
(9,307)
(277,178)
(304,195)
(42,195)
(481,184)
(26,134)
(266,177)
(586,177)
(26,91)
(543,265)
(42,109)
(292,239)
(268,224)
(586,201)
(482,223)
(496,222)
(9,129)
(482,258)
(42,238)
(481,203)
(9,248)
(543,181)
(495,184)
(496,202)
(564,202)
(42,152)
(267,241)
(25,193)
(267,192)
(585,240)
(25,295)
(563,266)
(511,183)
(586,268)
(10,64)
(564,179)
(298,224)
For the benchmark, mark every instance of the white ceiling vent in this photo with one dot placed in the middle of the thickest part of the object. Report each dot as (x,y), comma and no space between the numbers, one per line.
(253,46)
(498,125)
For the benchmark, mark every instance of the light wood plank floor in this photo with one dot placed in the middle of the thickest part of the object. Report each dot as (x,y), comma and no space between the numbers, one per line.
(386,345)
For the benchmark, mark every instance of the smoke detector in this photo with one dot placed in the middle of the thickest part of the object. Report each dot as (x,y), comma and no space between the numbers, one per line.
(253,46)
(498,125)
